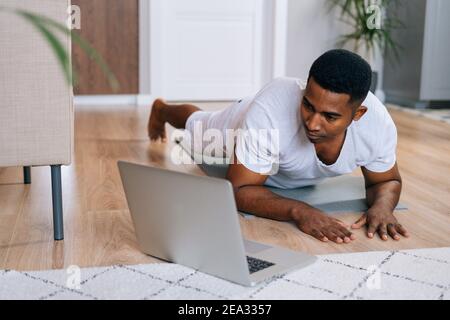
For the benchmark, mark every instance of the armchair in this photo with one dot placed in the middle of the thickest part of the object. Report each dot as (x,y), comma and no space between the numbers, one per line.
(36,103)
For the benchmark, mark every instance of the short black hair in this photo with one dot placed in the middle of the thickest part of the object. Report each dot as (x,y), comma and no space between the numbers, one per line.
(342,71)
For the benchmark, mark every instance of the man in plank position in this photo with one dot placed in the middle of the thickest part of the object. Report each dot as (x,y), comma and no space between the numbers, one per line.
(327,128)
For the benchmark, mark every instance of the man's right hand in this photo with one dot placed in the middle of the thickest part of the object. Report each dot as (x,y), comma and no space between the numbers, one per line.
(321,226)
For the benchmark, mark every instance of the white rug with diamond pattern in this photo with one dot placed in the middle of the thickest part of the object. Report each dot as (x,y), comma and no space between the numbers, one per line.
(412,274)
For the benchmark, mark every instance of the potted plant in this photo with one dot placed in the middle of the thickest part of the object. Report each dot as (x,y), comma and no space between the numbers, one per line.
(371,29)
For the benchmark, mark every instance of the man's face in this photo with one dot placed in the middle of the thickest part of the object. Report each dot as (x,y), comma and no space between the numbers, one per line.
(325,114)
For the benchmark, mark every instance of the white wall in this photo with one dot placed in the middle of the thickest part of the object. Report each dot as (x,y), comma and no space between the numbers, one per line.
(312,30)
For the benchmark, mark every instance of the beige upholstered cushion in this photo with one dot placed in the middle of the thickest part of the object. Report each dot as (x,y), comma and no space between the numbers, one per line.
(36,103)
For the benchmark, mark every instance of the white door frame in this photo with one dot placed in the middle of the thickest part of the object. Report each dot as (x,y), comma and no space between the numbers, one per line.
(280,31)
(150,69)
(145,90)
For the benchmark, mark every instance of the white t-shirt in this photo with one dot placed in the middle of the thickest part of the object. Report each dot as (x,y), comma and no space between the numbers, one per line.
(292,161)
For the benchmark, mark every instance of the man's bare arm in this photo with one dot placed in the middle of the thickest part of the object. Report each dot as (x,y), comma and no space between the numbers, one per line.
(252,197)
(383,189)
(382,194)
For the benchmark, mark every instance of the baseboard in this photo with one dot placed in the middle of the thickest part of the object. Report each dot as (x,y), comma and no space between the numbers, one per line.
(144,100)
(113,100)
(406,102)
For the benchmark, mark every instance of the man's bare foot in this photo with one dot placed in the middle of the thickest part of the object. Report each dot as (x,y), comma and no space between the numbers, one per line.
(156,123)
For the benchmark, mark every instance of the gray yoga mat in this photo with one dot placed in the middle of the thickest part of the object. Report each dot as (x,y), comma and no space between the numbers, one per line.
(333,195)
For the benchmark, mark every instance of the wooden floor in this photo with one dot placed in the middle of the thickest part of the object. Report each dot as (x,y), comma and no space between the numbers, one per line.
(98,229)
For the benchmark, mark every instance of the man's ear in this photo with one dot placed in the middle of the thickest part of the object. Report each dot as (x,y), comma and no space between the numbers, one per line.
(359,113)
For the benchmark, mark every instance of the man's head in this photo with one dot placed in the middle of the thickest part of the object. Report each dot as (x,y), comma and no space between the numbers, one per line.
(338,83)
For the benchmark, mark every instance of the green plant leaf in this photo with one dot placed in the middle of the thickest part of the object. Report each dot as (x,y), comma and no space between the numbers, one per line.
(45,25)
(88,49)
(54,43)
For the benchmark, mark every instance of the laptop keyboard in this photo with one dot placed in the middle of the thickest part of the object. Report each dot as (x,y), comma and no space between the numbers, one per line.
(255,265)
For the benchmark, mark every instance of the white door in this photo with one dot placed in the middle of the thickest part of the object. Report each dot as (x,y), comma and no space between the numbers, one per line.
(210,49)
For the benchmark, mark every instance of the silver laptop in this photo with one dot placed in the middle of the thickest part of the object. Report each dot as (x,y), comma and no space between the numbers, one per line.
(193,221)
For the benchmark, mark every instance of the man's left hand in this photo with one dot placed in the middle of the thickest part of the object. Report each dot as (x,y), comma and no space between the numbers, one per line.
(383,222)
